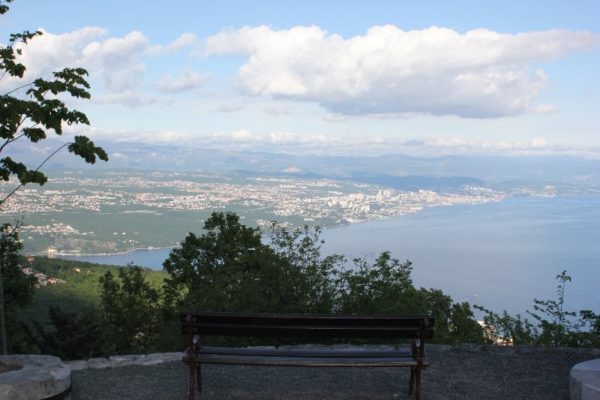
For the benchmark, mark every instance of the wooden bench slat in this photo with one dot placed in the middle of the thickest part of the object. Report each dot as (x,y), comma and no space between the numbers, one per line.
(305,352)
(247,315)
(306,320)
(306,361)
(239,329)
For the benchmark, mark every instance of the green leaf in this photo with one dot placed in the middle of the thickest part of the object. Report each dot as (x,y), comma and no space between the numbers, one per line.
(34,134)
(85,148)
(10,167)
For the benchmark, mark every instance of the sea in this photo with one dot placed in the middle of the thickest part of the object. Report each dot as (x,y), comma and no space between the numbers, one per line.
(500,255)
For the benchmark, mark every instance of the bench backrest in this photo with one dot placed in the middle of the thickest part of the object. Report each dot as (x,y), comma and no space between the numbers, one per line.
(286,325)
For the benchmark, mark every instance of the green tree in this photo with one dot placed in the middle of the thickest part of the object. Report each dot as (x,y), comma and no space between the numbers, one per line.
(556,326)
(386,287)
(301,248)
(70,336)
(16,288)
(228,268)
(506,329)
(29,111)
(463,326)
(130,310)
(382,287)
(559,327)
(202,266)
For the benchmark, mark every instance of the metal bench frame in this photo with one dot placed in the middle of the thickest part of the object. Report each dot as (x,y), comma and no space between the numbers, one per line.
(416,328)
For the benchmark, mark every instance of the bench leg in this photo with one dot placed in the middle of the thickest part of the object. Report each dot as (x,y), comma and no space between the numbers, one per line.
(195,379)
(411,382)
(199,377)
(191,388)
(418,384)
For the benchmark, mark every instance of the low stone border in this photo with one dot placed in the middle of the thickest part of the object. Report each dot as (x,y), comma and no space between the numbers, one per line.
(158,358)
(585,381)
(520,349)
(40,377)
(123,361)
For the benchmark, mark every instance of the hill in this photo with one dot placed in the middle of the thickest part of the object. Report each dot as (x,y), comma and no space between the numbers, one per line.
(80,289)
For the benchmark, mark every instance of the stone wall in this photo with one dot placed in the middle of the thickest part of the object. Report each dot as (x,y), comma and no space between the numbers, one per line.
(122,361)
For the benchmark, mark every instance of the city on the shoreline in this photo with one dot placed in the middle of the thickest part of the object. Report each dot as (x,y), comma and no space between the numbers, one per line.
(115,212)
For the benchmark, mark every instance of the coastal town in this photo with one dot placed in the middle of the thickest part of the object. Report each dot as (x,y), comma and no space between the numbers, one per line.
(54,210)
(41,279)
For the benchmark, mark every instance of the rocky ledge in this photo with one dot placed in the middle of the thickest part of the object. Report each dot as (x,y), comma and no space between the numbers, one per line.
(585,380)
(33,377)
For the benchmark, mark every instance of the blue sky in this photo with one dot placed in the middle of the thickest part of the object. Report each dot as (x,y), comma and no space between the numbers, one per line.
(336,77)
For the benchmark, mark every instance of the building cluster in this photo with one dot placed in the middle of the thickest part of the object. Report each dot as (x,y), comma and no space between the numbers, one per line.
(382,203)
(311,199)
(54,228)
(41,278)
(322,202)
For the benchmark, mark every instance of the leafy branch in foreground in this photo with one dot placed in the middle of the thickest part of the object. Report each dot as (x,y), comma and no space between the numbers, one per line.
(555,325)
(32,116)
(39,111)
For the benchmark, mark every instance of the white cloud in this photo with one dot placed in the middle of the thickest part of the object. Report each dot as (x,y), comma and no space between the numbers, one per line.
(51,52)
(183,83)
(118,62)
(479,73)
(278,110)
(545,109)
(536,146)
(185,40)
(315,143)
(318,143)
(229,107)
(118,156)
(335,117)
(127,98)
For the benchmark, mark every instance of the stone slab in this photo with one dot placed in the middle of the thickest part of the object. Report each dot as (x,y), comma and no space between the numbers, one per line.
(585,381)
(39,378)
(158,358)
(99,362)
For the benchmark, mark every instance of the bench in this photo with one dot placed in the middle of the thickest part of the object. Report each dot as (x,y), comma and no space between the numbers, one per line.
(197,324)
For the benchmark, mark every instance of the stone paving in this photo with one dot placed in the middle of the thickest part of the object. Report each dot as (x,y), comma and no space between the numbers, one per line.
(461,372)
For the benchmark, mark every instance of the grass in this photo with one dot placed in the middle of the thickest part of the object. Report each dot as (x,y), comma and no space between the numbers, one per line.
(82,287)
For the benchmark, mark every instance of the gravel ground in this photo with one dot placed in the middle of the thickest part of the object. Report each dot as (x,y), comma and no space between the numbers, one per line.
(462,372)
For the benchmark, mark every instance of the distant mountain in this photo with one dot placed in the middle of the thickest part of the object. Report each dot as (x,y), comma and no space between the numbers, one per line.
(394,170)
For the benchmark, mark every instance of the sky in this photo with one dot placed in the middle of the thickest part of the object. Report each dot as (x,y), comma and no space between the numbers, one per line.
(328,77)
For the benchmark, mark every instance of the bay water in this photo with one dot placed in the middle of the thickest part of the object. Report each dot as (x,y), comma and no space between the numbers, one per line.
(498,255)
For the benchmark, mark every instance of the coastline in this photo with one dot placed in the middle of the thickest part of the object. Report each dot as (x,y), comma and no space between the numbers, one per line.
(158,248)
(324,226)
(119,253)
(518,245)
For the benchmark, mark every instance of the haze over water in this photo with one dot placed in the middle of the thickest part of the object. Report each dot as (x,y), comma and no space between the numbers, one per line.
(498,255)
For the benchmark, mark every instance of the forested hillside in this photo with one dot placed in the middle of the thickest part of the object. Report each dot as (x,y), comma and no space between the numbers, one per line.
(82,310)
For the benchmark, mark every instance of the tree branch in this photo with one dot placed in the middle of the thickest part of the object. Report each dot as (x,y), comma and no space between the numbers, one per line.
(18,88)
(37,169)
(10,140)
